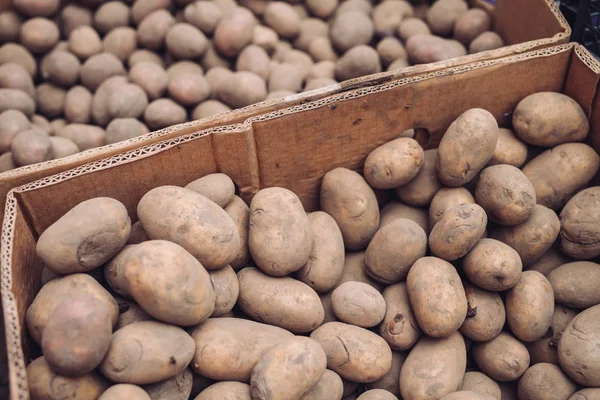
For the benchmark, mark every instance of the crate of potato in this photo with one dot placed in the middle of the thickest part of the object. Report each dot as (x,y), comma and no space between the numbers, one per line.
(325,252)
(75,76)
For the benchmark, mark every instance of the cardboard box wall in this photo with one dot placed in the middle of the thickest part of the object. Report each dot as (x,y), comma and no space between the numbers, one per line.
(292,148)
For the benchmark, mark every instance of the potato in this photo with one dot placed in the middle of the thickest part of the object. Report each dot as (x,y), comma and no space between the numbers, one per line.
(505,194)
(78,105)
(189,89)
(420,380)
(308,30)
(358,61)
(503,358)
(120,129)
(84,136)
(58,290)
(420,191)
(437,296)
(575,284)
(124,391)
(321,49)
(50,100)
(73,16)
(329,387)
(411,27)
(234,32)
(226,390)
(394,249)
(30,147)
(14,76)
(254,59)
(486,41)
(15,53)
(143,55)
(10,25)
(426,48)
(178,387)
(282,18)
(44,383)
(399,327)
(111,15)
(394,163)
(226,289)
(578,234)
(347,197)
(466,395)
(44,8)
(493,265)
(350,29)
(290,304)
(551,260)
(354,353)
(129,313)
(162,113)
(243,89)
(84,42)
(443,14)
(354,5)
(212,58)
(216,187)
(359,304)
(240,213)
(387,16)
(218,78)
(471,24)
(209,108)
(114,272)
(445,199)
(99,106)
(211,235)
(586,394)
(286,77)
(390,380)
(203,15)
(377,394)
(478,382)
(545,381)
(265,38)
(228,349)
(578,348)
(184,67)
(141,8)
(397,210)
(485,315)
(40,122)
(533,238)
(185,41)
(100,67)
(11,123)
(390,49)
(153,29)
(509,150)
(151,77)
(39,34)
(16,100)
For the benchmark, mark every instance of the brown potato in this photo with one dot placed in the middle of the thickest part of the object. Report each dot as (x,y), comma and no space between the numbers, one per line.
(254,59)
(127,101)
(350,29)
(388,15)
(389,381)
(212,58)
(265,37)
(486,41)
(355,270)
(130,312)
(329,387)
(442,15)
(78,105)
(420,191)
(394,163)
(14,76)
(377,394)
(15,99)
(399,327)
(151,77)
(466,395)
(11,123)
(279,301)
(124,391)
(359,61)
(243,89)
(137,234)
(575,284)
(551,260)
(485,315)
(217,187)
(120,129)
(50,100)
(100,67)
(84,42)
(61,68)
(419,380)
(282,18)
(122,42)
(226,390)
(141,8)
(178,387)
(162,113)
(471,24)
(321,49)
(493,265)
(445,199)
(39,34)
(152,30)
(503,358)
(426,48)
(99,110)
(10,25)
(359,304)
(479,382)
(509,150)
(111,15)
(545,381)
(228,349)
(347,197)
(411,27)
(437,296)
(390,49)
(286,77)
(15,53)
(398,210)
(211,235)
(203,15)
(73,16)
(226,288)
(354,353)
(234,32)
(586,394)
(84,136)
(239,211)
(579,225)
(185,42)
(209,108)
(31,146)
(6,162)
(308,30)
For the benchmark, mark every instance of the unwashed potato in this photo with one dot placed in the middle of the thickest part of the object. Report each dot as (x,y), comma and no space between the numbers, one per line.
(377,394)
(509,149)
(120,129)
(329,387)
(243,89)
(485,315)
(234,32)
(479,382)
(503,358)
(226,288)
(545,381)
(445,199)
(11,123)
(121,42)
(399,327)
(85,237)
(78,105)
(356,270)
(350,29)
(579,225)
(586,394)
(279,301)
(398,210)
(420,191)
(178,387)
(151,76)
(486,41)
(15,99)
(130,312)
(31,146)
(394,163)
(390,380)
(84,136)
(239,212)
(124,391)
(217,187)
(162,113)
(418,380)
(493,265)
(358,61)
(443,15)
(226,391)
(471,24)
(14,76)
(127,101)
(191,220)
(411,27)
(114,272)
(426,48)
(575,284)
(359,304)
(551,260)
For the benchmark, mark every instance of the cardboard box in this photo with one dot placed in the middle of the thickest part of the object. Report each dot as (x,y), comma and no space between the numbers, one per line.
(292,147)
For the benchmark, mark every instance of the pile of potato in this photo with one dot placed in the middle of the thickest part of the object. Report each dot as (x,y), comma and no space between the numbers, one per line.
(473,283)
(79,75)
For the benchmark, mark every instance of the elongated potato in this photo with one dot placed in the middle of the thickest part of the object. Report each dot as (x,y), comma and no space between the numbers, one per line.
(437,296)
(227,349)
(354,353)
(419,191)
(434,368)
(545,381)
(493,265)
(85,237)
(280,238)
(324,267)
(485,316)
(544,350)
(394,163)
(479,382)
(359,304)
(503,358)
(217,187)
(125,391)
(445,199)
(396,210)
(300,357)
(227,290)
(347,197)
(114,272)
(226,391)
(399,327)
(509,149)
(390,380)
(576,284)
(239,211)
(466,147)
(329,387)
(580,225)
(192,221)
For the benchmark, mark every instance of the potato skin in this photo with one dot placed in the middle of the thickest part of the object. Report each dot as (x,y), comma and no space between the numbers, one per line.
(419,191)
(393,163)
(399,327)
(227,349)
(485,316)
(192,221)
(390,380)
(545,349)
(509,149)
(124,391)
(586,394)
(359,304)
(426,48)
(178,387)
(445,199)
(217,187)
(545,381)
(329,387)
(377,394)
(503,358)
(239,211)
(471,24)
(458,231)
(227,290)
(226,391)
(433,368)
(493,265)
(576,284)
(147,352)
(548,119)
(396,209)
(578,348)
(466,147)
(479,382)
(579,219)
(354,353)
(442,16)
(355,270)
(347,197)
(279,301)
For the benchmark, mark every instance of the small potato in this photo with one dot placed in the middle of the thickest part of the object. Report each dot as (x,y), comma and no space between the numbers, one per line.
(286,77)
(576,284)
(471,24)
(73,16)
(503,358)
(234,32)
(308,30)
(390,380)
(321,49)
(420,191)
(30,147)
(127,101)
(355,270)
(10,25)
(493,265)
(533,238)
(228,349)
(412,27)
(394,249)
(153,29)
(464,150)
(509,150)
(396,210)
(545,381)
(244,89)
(478,382)
(300,357)
(130,312)
(15,53)
(84,42)
(14,99)
(358,61)
(394,163)
(329,387)
(209,234)
(99,106)
(11,123)
(50,100)
(212,58)
(377,394)
(162,113)
(141,8)
(111,15)
(505,194)
(39,34)
(151,77)
(578,348)
(354,353)
(347,197)
(100,67)
(84,136)
(437,296)
(124,391)
(586,394)
(443,14)
(426,48)
(485,315)
(322,8)
(61,68)
(254,59)
(486,41)
(185,42)
(14,76)
(121,129)
(359,304)
(350,29)
(387,16)
(445,199)
(265,38)
(282,18)
(399,327)
(226,391)
(122,42)
(43,383)
(216,187)
(209,108)
(458,231)
(204,15)
(283,302)
(226,288)
(390,49)
(78,105)
(419,379)
(178,387)
(239,211)
(551,260)
(6,162)
(579,225)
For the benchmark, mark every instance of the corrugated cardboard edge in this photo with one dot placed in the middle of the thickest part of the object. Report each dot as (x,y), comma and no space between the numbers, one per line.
(17,371)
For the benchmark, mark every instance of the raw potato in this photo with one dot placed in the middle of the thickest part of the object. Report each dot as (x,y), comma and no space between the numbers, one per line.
(411,27)
(325,264)
(485,316)
(14,76)
(50,100)
(354,353)
(15,99)
(299,357)
(243,89)
(377,394)
(443,14)
(359,304)
(575,284)
(63,147)
(239,211)
(226,288)
(99,110)
(399,327)
(85,237)
(162,113)
(228,349)
(390,380)
(467,146)
(358,61)
(203,15)
(347,197)
(458,231)
(185,42)
(217,187)
(433,368)
(124,391)
(121,42)
(579,225)
(545,381)
(153,29)
(61,68)
(478,382)
(560,172)
(121,129)
(78,105)
(11,123)
(420,191)
(586,394)
(282,18)
(493,265)
(445,199)
(100,67)
(151,77)
(191,220)
(471,24)
(31,146)
(279,301)
(355,270)
(130,312)
(394,163)
(234,32)
(509,149)
(437,296)
(178,387)
(350,29)
(503,358)
(147,352)
(280,238)
(426,48)
(551,260)
(39,35)
(396,210)
(548,119)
